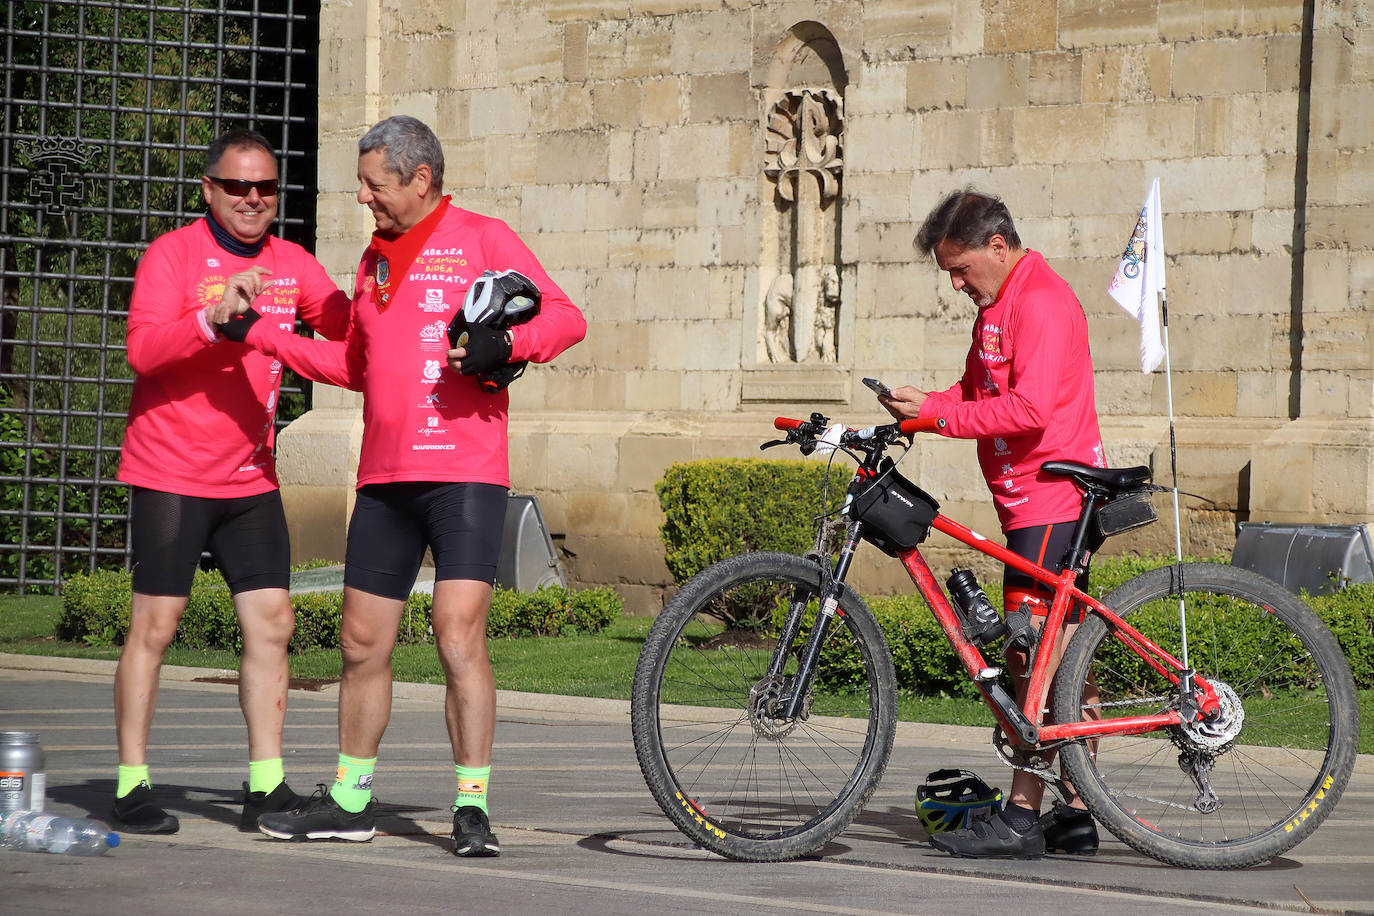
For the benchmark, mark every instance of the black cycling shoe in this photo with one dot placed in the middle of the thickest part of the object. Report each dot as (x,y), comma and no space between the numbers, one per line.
(320,818)
(992,838)
(256,804)
(1069,830)
(472,834)
(137,812)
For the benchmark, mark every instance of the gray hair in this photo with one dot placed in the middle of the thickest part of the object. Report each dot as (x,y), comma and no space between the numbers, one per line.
(407,143)
(969,219)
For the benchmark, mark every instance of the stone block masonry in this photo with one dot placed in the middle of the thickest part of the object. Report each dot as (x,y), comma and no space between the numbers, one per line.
(627,142)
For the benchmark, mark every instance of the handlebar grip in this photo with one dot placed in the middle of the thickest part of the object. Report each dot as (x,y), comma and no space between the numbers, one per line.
(922,425)
(784,423)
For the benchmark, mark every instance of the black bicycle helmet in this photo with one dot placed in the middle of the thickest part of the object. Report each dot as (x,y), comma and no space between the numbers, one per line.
(951,799)
(496,300)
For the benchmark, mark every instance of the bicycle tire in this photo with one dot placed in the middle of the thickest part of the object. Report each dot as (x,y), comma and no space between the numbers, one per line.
(732,779)
(1277,761)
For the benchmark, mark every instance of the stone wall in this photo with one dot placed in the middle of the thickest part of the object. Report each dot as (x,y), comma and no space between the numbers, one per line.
(640,148)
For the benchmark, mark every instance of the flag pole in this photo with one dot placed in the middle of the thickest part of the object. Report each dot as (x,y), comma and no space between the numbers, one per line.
(1138,286)
(1173,467)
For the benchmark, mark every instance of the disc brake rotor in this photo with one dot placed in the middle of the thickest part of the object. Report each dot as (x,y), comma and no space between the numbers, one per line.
(767,700)
(1223,728)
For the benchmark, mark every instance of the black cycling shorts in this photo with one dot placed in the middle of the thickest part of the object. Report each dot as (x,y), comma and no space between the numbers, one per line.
(393,523)
(1043,545)
(246,536)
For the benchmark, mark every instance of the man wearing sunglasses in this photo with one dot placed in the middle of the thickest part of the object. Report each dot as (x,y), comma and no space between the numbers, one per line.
(197,455)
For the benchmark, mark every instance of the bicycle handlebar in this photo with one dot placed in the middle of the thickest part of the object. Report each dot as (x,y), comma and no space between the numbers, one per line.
(922,425)
(906,427)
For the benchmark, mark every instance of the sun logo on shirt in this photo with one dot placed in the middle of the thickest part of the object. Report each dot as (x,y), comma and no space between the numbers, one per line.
(211,290)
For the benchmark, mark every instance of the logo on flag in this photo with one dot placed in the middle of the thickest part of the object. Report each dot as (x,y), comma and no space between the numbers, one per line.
(1139,279)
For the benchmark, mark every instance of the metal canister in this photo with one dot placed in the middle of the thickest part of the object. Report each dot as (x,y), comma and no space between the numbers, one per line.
(23,784)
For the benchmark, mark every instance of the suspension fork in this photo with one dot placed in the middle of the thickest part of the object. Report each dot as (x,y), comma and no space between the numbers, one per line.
(832,586)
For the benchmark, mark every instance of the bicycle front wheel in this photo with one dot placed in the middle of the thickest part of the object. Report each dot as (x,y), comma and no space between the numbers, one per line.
(1258,779)
(724,761)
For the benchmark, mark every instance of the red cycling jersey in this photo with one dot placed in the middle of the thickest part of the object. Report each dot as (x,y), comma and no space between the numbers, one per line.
(201,418)
(1027,396)
(421,420)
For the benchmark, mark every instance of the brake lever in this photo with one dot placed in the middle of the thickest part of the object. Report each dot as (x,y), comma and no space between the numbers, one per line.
(768,445)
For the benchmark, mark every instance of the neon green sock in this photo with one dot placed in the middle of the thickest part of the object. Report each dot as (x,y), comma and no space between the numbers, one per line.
(129,778)
(472,786)
(353,783)
(265,775)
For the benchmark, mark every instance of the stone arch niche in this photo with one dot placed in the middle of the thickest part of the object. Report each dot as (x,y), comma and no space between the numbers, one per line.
(800,268)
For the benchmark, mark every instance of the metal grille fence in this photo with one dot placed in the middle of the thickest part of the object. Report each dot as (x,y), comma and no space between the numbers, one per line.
(107,110)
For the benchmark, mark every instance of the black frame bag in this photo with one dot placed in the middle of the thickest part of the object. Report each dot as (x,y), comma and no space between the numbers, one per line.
(896,513)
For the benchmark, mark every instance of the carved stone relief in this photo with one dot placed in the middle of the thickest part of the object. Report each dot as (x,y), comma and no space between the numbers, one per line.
(805,165)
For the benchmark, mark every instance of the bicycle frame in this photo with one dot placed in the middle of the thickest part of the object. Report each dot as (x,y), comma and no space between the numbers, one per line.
(1196,696)
(1025,721)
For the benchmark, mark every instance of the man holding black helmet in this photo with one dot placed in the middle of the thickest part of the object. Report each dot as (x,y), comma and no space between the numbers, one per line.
(433,471)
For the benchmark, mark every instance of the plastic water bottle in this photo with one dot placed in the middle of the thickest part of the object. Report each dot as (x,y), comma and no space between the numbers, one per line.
(37,831)
(982,625)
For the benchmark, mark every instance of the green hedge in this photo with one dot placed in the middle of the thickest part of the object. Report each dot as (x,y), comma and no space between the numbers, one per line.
(926,665)
(721,507)
(95,610)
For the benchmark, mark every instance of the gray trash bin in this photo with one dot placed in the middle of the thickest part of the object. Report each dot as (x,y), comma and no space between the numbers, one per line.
(528,559)
(1318,558)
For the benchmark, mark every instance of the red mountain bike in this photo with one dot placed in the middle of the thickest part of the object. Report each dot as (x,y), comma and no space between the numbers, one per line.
(765,749)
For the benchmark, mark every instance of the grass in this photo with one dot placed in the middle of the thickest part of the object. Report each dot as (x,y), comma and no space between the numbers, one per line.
(587,666)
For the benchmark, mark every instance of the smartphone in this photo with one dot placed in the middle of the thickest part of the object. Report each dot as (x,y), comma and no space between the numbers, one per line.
(878,387)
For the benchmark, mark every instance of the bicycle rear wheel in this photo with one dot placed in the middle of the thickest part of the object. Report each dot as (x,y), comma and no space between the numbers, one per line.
(1239,790)
(734,774)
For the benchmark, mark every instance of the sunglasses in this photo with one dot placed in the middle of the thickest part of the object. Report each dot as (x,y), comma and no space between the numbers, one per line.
(238,187)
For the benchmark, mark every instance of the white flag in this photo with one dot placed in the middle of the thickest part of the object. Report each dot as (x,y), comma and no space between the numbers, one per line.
(1139,279)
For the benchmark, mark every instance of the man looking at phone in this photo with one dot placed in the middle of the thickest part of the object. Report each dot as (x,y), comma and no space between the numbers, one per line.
(1027,397)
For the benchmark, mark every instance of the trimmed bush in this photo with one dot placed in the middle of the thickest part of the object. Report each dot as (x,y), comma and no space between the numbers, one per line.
(721,507)
(926,664)
(95,610)
(318,615)
(552,611)
(718,508)
(1348,614)
(210,621)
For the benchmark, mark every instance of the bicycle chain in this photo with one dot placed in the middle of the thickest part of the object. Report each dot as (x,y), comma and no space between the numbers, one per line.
(1031,762)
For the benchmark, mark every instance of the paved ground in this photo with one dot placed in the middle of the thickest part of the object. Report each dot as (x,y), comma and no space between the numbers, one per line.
(579,832)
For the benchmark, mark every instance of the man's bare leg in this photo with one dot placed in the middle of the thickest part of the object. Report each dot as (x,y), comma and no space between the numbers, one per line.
(460,630)
(366,638)
(267,622)
(153,623)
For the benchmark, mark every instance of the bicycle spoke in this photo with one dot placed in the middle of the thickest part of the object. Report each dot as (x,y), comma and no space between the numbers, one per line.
(1237,788)
(756,775)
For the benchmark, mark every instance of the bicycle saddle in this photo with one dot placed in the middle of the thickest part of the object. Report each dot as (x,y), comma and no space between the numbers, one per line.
(1113,480)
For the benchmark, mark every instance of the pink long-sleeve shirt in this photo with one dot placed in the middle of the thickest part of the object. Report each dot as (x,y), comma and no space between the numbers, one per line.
(1027,396)
(201,416)
(421,420)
